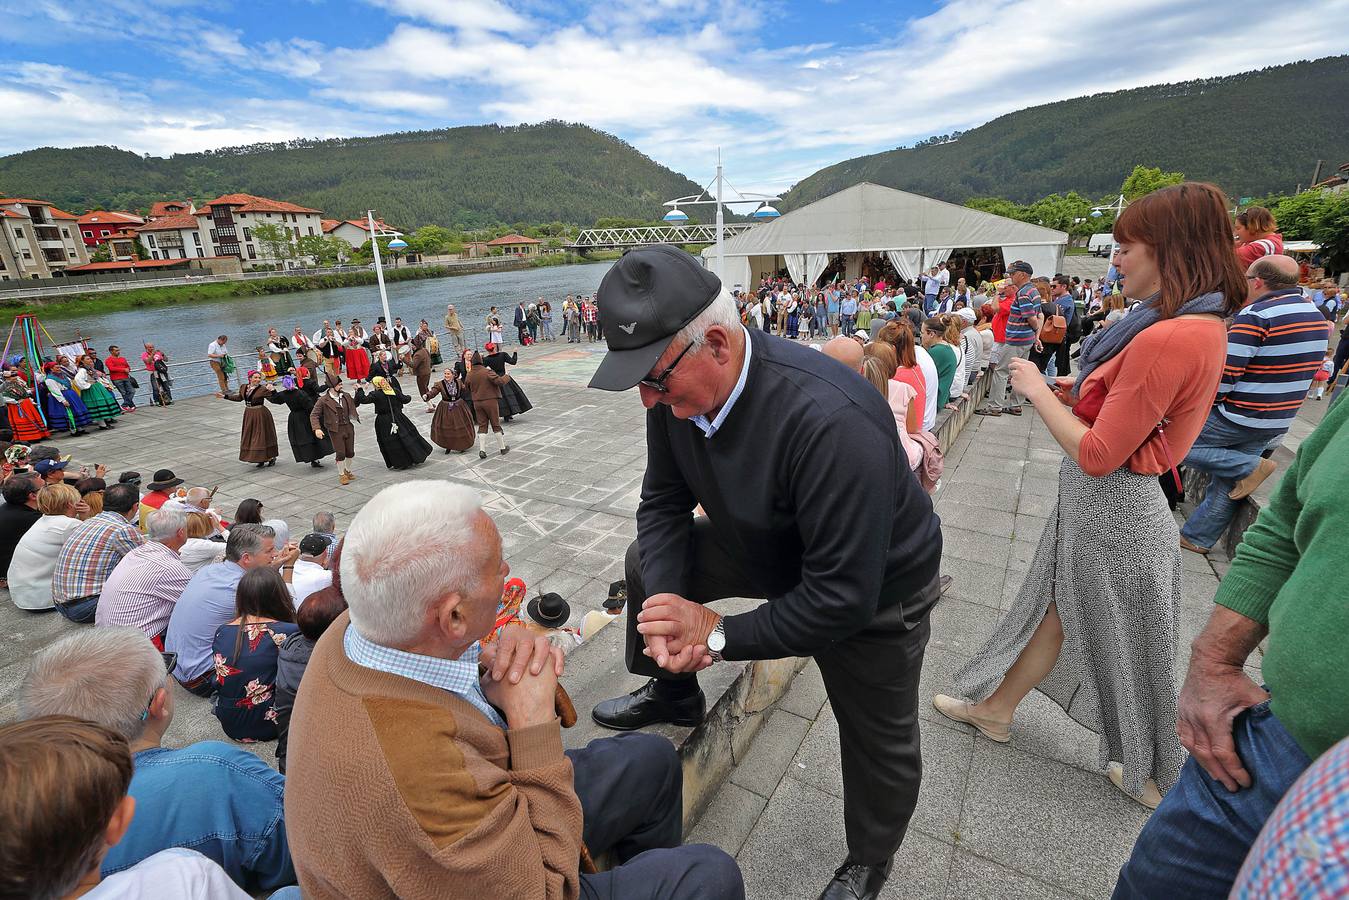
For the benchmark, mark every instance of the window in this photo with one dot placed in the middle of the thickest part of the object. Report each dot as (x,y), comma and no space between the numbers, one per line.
(297,233)
(71,253)
(103,232)
(269,215)
(199,253)
(27,255)
(18,232)
(88,234)
(311,230)
(248,233)
(196,239)
(252,254)
(65,232)
(154,254)
(150,239)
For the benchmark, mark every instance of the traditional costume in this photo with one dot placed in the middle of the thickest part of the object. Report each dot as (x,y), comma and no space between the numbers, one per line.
(452,425)
(257,440)
(279,348)
(332,416)
(401,445)
(485,387)
(25,422)
(96,392)
(357,359)
(513,399)
(300,398)
(419,360)
(64,406)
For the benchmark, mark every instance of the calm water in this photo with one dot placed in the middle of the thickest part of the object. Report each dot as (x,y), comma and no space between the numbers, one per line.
(184,331)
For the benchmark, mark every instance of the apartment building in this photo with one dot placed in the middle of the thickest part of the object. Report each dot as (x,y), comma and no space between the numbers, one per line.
(37,240)
(227,226)
(96,226)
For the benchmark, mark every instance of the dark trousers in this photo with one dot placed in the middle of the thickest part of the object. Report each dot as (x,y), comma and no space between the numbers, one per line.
(871,679)
(1061,361)
(128,392)
(631,789)
(81,610)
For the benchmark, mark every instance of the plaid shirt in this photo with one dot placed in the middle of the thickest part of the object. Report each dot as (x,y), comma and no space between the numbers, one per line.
(1302,849)
(458,676)
(91,551)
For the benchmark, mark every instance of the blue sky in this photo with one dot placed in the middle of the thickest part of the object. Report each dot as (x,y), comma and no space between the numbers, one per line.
(782,87)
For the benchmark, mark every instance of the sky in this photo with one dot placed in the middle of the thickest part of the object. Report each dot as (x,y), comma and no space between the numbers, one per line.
(782,88)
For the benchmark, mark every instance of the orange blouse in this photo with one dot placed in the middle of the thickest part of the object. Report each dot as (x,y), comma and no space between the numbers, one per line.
(1170,370)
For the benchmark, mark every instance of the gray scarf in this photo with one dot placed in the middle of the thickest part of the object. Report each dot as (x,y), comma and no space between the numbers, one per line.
(1106,345)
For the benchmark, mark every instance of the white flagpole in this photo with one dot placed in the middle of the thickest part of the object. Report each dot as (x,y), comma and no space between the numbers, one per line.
(379,270)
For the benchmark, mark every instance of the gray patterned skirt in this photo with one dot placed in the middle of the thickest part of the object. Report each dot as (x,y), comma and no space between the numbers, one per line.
(1109,559)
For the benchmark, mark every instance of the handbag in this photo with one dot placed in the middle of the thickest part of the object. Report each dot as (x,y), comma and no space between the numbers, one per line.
(1088,408)
(1054,330)
(135,385)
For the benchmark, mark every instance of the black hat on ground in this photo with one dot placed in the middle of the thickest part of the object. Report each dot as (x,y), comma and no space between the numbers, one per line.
(645,300)
(164,479)
(549,610)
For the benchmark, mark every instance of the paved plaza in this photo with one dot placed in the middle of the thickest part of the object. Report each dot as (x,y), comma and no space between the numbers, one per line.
(1034,818)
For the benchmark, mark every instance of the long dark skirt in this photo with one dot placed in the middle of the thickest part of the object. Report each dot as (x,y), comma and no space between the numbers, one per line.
(303,444)
(452,426)
(403,448)
(257,441)
(513,399)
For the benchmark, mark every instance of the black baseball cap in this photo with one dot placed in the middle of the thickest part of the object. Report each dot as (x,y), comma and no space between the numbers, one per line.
(1020,266)
(646,299)
(313,544)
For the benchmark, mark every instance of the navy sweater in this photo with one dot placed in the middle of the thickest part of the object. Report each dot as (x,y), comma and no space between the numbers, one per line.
(803,484)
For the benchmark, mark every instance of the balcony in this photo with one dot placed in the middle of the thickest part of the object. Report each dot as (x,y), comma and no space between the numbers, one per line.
(47,234)
(54,256)
(168,239)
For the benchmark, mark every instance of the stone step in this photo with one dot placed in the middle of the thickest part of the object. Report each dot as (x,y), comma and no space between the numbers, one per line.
(739,696)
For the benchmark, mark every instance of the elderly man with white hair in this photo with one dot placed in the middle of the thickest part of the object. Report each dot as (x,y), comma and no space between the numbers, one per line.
(213,797)
(142,591)
(410,776)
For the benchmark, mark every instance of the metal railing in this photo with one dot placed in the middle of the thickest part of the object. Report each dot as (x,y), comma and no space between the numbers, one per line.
(655,234)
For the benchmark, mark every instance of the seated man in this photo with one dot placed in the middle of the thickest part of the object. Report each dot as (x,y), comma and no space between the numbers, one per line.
(160,490)
(208,601)
(198,500)
(311,569)
(142,591)
(408,777)
(325,523)
(64,803)
(90,552)
(213,797)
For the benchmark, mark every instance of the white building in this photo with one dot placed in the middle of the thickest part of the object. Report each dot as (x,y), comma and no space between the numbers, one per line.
(227,223)
(174,236)
(37,240)
(357,231)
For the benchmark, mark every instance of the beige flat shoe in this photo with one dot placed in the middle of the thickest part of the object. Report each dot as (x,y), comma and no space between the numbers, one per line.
(959,711)
(1151,796)
(1246,486)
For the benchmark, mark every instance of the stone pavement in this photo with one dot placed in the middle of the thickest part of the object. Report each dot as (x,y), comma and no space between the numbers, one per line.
(1033,818)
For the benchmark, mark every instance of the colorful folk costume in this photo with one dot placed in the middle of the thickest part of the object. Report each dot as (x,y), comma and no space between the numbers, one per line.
(96,391)
(257,440)
(300,398)
(65,409)
(513,399)
(401,445)
(452,425)
(25,422)
(358,360)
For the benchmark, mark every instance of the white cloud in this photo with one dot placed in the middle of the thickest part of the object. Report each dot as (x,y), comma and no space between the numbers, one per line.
(480,15)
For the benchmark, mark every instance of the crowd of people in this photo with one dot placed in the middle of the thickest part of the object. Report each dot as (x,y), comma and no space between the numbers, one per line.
(363,655)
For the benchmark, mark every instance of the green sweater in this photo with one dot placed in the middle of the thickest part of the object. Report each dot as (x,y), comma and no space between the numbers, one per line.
(1289,574)
(944,355)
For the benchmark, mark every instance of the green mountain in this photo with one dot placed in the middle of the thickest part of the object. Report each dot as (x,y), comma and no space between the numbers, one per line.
(1252,134)
(471,177)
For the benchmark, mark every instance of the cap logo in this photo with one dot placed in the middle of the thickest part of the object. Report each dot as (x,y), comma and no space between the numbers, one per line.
(629,329)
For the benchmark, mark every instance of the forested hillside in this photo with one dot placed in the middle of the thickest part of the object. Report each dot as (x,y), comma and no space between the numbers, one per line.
(1255,133)
(468,177)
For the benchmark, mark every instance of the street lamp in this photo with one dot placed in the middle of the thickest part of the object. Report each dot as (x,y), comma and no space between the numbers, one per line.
(1117,207)
(379,266)
(715,194)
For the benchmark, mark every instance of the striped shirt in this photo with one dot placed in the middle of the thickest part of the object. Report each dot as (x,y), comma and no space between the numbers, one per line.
(1019,329)
(90,552)
(458,676)
(1274,347)
(142,591)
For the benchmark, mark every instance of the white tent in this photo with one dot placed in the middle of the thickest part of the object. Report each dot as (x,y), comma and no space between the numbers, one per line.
(914,232)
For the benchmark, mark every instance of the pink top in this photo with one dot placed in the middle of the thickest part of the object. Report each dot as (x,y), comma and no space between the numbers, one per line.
(901,395)
(913,377)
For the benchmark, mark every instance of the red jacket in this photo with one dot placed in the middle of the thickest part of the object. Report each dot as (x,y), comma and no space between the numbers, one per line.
(1268,245)
(119,368)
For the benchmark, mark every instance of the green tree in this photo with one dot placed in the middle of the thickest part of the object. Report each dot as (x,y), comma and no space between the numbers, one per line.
(1298,214)
(325,250)
(102,253)
(998,207)
(429,240)
(1143,181)
(275,242)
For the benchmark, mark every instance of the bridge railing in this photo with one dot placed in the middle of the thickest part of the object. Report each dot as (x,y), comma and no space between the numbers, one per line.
(655,234)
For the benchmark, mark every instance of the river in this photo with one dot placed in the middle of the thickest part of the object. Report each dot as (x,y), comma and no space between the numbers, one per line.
(183,332)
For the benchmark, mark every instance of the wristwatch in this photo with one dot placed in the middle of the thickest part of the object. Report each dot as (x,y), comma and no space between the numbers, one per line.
(716,641)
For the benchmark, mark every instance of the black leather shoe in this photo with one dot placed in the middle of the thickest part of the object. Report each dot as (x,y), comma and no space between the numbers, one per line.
(645,707)
(854,881)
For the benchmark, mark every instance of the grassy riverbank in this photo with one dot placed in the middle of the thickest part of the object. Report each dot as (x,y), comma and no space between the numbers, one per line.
(70,305)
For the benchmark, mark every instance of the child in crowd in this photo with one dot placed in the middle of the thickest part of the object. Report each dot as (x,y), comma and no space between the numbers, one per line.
(64,803)
(1324,374)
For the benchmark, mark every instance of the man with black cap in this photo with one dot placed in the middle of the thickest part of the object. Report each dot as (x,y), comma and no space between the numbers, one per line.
(848,566)
(1024,320)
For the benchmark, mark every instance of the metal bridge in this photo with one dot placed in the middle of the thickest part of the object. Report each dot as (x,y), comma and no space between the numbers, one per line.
(606,238)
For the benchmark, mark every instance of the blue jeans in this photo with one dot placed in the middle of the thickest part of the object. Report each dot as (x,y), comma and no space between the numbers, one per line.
(81,610)
(1227,452)
(1195,843)
(128,392)
(848,324)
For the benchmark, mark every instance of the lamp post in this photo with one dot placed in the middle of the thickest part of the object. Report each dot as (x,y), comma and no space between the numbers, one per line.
(379,267)
(715,194)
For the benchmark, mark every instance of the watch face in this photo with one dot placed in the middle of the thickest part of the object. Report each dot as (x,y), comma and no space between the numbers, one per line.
(716,641)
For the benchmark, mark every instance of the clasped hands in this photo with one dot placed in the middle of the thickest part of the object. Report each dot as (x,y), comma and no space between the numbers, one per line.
(519,676)
(675,631)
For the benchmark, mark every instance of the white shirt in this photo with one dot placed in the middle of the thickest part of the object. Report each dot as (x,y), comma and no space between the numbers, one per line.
(307,578)
(929,368)
(176,872)
(945,276)
(215,348)
(198,552)
(34,562)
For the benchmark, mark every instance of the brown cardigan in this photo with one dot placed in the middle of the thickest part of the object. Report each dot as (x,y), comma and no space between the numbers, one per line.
(395,788)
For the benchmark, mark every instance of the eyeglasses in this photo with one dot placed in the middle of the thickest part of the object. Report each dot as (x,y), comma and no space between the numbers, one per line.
(658,383)
(1252,277)
(170,663)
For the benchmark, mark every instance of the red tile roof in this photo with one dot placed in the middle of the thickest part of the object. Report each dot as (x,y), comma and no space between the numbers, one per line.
(512,239)
(128,264)
(7,201)
(161,207)
(330,224)
(251,203)
(113,217)
(62,214)
(171,223)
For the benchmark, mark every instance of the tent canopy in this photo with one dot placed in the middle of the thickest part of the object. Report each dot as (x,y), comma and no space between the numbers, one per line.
(869,218)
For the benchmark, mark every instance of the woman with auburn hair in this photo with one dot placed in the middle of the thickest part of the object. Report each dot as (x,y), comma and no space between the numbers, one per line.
(1094,625)
(899,335)
(899,394)
(1256,235)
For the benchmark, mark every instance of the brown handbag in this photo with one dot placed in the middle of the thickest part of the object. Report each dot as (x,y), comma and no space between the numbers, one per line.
(1054,330)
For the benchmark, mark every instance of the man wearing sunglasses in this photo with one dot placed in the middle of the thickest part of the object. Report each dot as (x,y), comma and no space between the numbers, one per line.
(750,426)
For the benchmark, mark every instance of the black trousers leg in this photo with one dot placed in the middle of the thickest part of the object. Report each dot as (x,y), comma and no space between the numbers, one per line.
(631,789)
(715,575)
(1061,361)
(872,682)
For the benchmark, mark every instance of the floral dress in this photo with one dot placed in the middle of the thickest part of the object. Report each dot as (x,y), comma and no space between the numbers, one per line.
(245,685)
